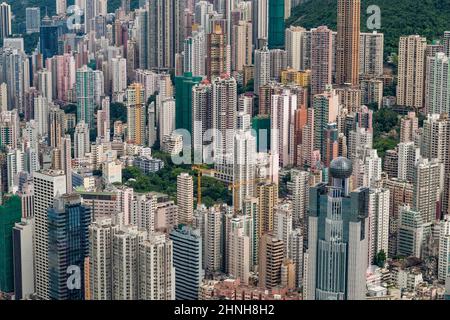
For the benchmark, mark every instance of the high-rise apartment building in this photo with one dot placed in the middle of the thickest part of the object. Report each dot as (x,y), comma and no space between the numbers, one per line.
(66,160)
(325,107)
(224,117)
(300,195)
(185,198)
(295,47)
(48,184)
(348,42)
(410,232)
(136,119)
(411,71)
(23,243)
(251,210)
(271,256)
(401,193)
(125,262)
(435,145)
(118,78)
(201,115)
(81,140)
(167,118)
(267,193)
(284,106)
(444,249)
(379,199)
(216,61)
(260,20)
(371,54)
(165,33)
(244,164)
(437,86)
(408,156)
(262,68)
(408,127)
(85,93)
(101,233)
(282,225)
(428,187)
(156,271)
(239,250)
(372,92)
(321,59)
(194,54)
(241,46)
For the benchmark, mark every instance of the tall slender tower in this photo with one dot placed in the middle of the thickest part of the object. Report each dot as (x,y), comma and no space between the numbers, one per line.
(321,59)
(185,197)
(47,185)
(66,160)
(216,50)
(260,20)
(165,32)
(5,20)
(85,95)
(136,114)
(411,71)
(348,42)
(101,233)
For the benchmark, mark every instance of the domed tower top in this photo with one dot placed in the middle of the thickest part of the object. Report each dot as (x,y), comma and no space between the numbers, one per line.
(341,168)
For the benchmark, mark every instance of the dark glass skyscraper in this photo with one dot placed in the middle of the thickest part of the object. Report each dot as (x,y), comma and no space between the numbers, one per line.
(10,213)
(276,24)
(48,39)
(183,98)
(68,246)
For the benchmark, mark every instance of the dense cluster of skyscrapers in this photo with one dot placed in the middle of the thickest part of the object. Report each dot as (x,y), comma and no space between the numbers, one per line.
(282,115)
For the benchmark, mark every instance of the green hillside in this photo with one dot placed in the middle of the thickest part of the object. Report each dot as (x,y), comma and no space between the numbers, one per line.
(429,18)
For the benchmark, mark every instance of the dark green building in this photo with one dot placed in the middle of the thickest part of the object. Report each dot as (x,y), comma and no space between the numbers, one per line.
(276,24)
(183,100)
(10,214)
(261,125)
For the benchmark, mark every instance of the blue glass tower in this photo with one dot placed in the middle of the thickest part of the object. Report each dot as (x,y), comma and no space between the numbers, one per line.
(48,39)
(68,247)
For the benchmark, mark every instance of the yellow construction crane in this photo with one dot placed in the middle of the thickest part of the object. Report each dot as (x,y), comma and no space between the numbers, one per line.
(200,171)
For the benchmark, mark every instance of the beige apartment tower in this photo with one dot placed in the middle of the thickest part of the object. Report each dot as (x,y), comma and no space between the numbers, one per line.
(411,71)
(348,42)
(185,198)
